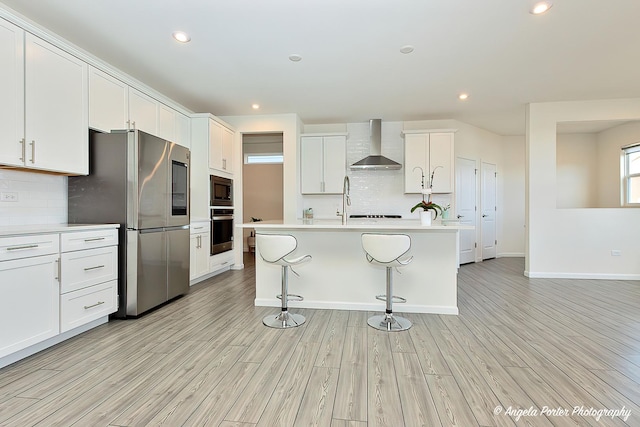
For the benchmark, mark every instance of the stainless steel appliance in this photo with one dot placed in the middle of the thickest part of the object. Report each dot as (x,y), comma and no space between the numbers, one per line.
(221,230)
(141,182)
(221,191)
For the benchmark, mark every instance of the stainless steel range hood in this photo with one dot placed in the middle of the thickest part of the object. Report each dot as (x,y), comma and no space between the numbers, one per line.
(375,160)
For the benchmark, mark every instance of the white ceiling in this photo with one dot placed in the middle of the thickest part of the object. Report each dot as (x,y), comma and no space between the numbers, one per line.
(352,69)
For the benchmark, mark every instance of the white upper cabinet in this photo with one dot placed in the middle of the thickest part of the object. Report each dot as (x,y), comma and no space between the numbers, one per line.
(12,89)
(220,147)
(56,109)
(143,112)
(166,123)
(323,163)
(108,102)
(183,130)
(44,105)
(433,153)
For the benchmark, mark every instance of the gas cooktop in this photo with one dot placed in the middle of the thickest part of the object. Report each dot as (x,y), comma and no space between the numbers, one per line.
(376,216)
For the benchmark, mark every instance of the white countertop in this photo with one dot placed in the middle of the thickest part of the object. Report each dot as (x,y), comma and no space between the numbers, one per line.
(355,224)
(11,230)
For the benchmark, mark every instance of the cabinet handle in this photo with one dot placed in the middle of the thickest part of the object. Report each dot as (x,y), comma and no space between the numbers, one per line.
(33,151)
(17,248)
(94,268)
(86,307)
(128,124)
(224,164)
(225,263)
(24,149)
(133,125)
(94,239)
(198,228)
(198,243)
(57,269)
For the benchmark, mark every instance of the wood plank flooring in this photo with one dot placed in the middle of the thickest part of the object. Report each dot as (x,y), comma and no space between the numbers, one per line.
(207,360)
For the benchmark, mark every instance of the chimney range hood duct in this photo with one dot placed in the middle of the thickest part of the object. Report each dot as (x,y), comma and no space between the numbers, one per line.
(375,160)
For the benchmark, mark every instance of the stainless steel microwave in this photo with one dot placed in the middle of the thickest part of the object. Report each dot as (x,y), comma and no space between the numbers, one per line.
(221,190)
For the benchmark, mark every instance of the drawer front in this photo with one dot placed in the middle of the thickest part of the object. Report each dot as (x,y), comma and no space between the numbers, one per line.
(28,246)
(86,268)
(79,240)
(199,227)
(85,305)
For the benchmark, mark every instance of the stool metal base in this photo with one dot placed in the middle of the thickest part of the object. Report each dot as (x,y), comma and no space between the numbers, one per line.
(283,320)
(389,323)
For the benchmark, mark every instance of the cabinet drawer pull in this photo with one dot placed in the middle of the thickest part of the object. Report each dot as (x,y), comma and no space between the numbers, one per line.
(94,239)
(94,268)
(87,307)
(33,151)
(17,248)
(198,228)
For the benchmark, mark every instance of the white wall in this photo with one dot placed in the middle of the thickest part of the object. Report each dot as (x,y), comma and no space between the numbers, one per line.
(512,237)
(262,195)
(574,242)
(42,198)
(577,170)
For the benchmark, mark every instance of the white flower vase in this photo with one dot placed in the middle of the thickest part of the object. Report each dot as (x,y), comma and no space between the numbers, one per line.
(425,218)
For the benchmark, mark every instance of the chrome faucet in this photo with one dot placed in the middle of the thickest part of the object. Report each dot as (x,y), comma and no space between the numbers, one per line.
(346,199)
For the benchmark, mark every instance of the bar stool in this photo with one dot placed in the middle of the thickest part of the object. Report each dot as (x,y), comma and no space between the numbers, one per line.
(386,250)
(273,249)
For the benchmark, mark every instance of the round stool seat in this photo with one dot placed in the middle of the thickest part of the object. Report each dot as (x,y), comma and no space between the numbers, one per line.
(387,250)
(274,249)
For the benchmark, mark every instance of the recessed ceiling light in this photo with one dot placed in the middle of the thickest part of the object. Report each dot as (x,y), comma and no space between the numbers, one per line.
(181,36)
(406,49)
(463,96)
(295,57)
(255,106)
(540,7)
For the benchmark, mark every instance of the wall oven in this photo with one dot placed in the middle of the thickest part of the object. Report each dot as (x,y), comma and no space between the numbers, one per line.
(221,190)
(221,230)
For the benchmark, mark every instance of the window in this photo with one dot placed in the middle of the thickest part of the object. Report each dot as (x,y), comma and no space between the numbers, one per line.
(254,159)
(632,174)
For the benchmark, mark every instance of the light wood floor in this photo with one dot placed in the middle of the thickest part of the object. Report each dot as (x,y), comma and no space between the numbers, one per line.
(206,359)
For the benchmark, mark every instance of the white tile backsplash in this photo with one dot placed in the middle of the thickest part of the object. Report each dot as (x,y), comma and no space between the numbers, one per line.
(42,198)
(372,191)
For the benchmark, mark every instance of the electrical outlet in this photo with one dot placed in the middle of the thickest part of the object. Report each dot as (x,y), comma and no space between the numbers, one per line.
(8,196)
(615,252)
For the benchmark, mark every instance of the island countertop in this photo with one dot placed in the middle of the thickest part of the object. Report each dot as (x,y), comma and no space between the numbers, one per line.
(356,224)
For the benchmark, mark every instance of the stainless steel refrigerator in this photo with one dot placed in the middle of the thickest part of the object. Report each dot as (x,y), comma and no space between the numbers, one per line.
(141,182)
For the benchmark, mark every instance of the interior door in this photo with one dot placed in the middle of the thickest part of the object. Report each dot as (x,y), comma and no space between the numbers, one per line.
(466,207)
(489,208)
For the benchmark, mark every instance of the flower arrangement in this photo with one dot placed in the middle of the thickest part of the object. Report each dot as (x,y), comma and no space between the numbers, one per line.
(428,206)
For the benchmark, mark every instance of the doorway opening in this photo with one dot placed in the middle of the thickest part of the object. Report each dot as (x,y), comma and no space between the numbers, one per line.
(262,181)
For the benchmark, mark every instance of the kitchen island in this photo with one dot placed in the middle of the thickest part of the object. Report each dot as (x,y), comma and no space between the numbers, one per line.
(339,276)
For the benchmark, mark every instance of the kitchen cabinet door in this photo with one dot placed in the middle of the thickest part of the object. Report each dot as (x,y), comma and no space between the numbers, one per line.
(441,161)
(166,123)
(56,109)
(416,155)
(12,90)
(183,130)
(108,102)
(199,254)
(30,302)
(334,163)
(143,112)
(311,154)
(220,147)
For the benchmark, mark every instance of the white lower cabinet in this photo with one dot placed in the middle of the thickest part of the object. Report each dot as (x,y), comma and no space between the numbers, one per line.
(29,307)
(199,256)
(51,283)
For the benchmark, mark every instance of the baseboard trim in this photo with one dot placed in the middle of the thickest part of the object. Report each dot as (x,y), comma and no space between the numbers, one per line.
(331,305)
(511,255)
(593,276)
